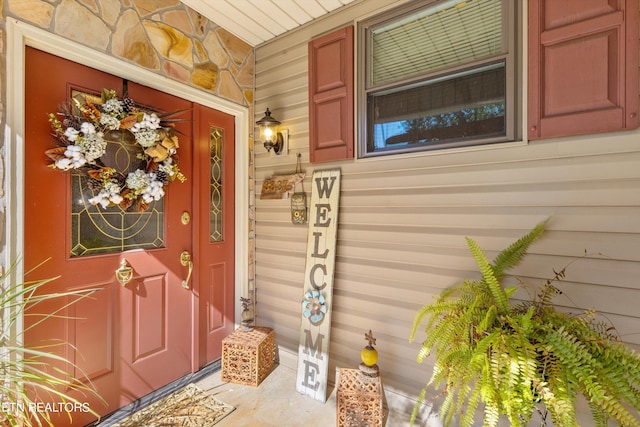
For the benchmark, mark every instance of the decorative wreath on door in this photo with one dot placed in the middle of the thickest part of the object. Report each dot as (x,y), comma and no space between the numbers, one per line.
(128,154)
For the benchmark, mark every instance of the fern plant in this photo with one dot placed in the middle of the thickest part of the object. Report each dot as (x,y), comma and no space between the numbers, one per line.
(26,373)
(515,358)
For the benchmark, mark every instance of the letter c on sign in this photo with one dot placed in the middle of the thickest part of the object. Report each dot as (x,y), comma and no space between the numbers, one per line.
(312,274)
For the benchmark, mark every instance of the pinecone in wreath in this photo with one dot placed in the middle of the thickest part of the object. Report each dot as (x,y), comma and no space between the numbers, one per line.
(94,184)
(128,105)
(162,177)
(119,179)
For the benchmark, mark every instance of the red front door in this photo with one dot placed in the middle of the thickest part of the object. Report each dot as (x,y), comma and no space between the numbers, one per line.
(127,339)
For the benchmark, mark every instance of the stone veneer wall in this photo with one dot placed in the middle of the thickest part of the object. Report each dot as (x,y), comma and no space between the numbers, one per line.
(163,36)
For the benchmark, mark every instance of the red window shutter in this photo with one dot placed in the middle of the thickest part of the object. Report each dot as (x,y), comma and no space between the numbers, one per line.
(331,96)
(583,67)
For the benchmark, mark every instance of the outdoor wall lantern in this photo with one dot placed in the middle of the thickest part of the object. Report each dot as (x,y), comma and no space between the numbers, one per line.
(270,136)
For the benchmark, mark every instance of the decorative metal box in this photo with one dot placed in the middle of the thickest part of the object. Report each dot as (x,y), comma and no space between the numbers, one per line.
(359,399)
(248,356)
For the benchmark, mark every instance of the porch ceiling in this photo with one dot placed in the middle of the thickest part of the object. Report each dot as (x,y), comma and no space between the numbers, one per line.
(256,21)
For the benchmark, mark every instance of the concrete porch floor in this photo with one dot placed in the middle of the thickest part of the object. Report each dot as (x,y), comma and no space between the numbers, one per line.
(275,402)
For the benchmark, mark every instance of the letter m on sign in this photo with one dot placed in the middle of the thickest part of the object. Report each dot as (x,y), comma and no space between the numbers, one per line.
(313,350)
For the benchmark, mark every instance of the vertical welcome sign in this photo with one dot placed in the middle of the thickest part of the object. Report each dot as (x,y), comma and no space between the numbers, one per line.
(313,350)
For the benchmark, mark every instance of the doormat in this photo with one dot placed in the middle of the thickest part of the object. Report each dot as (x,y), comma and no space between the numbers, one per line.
(189,407)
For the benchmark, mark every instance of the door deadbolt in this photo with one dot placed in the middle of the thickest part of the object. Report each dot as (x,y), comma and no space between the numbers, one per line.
(185,218)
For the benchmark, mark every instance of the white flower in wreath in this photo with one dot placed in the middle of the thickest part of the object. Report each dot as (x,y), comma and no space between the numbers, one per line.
(87,129)
(110,122)
(146,137)
(149,121)
(153,191)
(113,106)
(71,134)
(145,130)
(167,166)
(138,181)
(109,194)
(145,185)
(93,146)
(72,159)
(89,144)
(313,307)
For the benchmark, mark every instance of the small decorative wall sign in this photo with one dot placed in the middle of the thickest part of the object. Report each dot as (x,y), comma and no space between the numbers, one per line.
(279,186)
(313,353)
(299,208)
(299,201)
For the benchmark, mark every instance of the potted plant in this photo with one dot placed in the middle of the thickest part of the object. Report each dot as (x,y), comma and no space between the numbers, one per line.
(25,373)
(513,358)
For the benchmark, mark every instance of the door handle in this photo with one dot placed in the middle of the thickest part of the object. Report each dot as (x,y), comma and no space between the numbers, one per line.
(185,260)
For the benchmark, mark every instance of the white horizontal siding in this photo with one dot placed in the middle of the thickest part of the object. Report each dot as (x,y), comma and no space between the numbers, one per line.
(403,222)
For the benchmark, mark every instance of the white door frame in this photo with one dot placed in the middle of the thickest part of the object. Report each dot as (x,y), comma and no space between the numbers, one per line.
(20,35)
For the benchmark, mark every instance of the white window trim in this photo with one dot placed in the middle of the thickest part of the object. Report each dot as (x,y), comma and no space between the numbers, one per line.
(516,93)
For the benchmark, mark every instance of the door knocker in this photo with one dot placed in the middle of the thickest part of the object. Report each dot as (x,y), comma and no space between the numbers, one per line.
(124,273)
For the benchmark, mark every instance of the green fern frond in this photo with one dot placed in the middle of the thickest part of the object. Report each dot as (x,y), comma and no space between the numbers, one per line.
(499,296)
(425,351)
(419,402)
(443,305)
(473,402)
(512,255)
(447,410)
(419,318)
(546,295)
(600,417)
(487,320)
(491,414)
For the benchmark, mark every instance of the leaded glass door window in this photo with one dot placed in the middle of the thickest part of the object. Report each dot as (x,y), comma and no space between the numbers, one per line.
(216,145)
(98,231)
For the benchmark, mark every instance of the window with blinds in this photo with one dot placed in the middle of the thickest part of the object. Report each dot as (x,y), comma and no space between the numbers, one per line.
(439,75)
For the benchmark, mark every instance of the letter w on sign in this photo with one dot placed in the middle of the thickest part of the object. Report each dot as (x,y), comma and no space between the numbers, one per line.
(313,350)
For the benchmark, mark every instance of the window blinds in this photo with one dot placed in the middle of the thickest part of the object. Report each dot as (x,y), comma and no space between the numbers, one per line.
(453,33)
